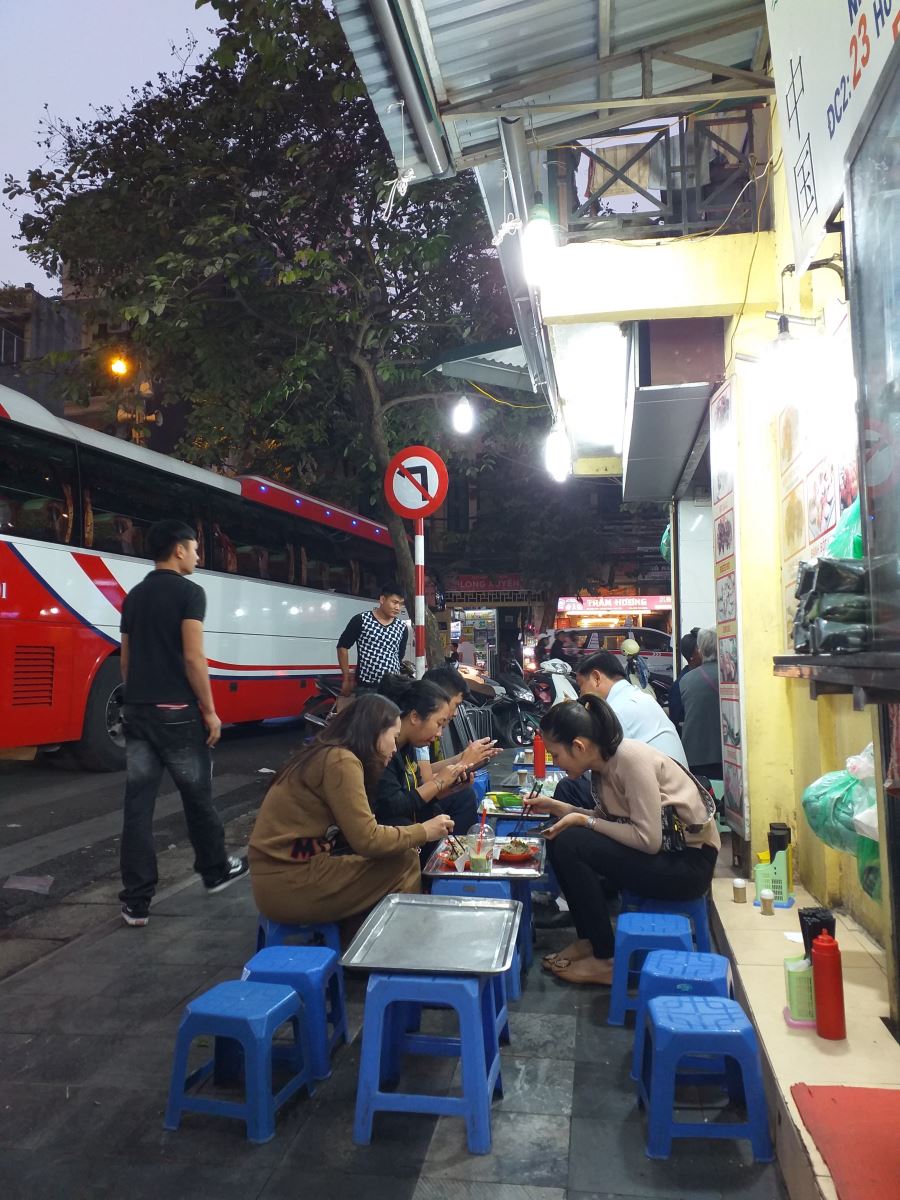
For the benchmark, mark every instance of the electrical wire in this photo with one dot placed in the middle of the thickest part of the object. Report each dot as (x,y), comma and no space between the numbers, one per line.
(497,400)
(740,315)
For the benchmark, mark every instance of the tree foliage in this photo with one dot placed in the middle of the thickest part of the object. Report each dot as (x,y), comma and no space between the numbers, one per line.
(233,216)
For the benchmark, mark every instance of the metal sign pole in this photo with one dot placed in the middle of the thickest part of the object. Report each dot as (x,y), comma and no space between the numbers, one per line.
(419,559)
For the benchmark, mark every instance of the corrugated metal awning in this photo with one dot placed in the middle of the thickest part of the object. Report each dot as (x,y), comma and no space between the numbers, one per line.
(554,62)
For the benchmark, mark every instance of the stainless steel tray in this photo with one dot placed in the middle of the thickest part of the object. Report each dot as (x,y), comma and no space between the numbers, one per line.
(446,935)
(499,870)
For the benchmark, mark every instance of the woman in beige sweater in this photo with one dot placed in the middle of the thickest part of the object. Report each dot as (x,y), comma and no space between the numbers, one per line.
(317,852)
(652,830)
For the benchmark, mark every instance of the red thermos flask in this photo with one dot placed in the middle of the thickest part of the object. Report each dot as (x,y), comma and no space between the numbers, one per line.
(540,757)
(828,985)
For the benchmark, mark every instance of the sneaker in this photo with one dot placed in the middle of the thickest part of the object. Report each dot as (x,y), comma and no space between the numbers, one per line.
(236,867)
(135,917)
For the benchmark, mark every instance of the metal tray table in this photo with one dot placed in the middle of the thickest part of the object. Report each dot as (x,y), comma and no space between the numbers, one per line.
(445,935)
(498,870)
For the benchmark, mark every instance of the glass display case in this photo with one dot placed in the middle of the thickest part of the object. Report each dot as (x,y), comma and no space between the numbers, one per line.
(872,193)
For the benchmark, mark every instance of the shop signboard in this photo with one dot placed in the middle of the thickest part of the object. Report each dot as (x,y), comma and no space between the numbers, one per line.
(614,604)
(723,457)
(827,56)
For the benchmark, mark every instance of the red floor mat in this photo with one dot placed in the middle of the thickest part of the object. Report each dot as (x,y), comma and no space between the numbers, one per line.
(856,1132)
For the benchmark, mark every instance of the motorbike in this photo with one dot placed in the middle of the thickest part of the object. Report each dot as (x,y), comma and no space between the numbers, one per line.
(514,712)
(319,709)
(553,683)
(654,683)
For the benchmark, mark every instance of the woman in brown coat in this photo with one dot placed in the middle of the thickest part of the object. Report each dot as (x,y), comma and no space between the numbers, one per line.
(317,852)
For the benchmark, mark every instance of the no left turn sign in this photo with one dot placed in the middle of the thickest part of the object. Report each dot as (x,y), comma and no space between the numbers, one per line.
(416,482)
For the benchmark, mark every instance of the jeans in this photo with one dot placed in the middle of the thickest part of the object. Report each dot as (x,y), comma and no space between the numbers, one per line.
(157,739)
(583,860)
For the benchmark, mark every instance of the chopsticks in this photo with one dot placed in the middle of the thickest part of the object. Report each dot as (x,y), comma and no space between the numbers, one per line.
(457,844)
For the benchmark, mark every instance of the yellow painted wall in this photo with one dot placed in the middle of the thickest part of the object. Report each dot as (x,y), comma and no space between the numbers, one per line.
(790,739)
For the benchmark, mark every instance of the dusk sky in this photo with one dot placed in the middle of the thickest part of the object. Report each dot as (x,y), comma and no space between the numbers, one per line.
(72,55)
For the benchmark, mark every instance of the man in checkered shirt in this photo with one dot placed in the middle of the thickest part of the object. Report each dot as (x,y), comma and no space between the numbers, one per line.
(380,638)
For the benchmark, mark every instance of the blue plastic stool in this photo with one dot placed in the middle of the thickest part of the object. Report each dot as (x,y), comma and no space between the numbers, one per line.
(675,973)
(250,1014)
(494,889)
(386,1038)
(697,912)
(274,933)
(636,932)
(701,1025)
(314,973)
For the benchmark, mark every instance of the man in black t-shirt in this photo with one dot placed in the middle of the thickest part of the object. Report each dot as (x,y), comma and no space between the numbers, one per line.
(170,719)
(380,637)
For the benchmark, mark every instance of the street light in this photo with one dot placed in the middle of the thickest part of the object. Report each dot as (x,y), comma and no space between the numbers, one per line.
(119,366)
(463,416)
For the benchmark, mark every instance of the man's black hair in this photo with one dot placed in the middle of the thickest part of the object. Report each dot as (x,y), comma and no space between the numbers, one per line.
(603,661)
(391,587)
(164,536)
(449,679)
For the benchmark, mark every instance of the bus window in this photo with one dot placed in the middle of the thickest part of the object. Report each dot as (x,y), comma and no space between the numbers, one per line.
(120,505)
(37,478)
(251,540)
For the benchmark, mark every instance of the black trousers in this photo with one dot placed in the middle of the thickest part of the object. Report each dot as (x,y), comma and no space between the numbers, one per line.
(583,859)
(575,791)
(157,739)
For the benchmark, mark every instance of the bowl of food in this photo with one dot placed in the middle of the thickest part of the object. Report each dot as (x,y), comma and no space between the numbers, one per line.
(516,852)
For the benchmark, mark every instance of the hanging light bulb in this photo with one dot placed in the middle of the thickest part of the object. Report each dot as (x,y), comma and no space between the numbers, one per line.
(558,454)
(463,416)
(538,243)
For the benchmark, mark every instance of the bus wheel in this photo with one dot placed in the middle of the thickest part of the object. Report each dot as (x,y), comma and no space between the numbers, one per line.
(102,745)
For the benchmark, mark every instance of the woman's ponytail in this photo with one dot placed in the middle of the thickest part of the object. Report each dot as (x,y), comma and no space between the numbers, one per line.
(589,717)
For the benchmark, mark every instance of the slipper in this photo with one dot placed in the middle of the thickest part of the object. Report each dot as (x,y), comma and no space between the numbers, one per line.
(563,971)
(549,961)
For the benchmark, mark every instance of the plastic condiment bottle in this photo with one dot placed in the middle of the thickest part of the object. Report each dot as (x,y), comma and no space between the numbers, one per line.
(540,757)
(828,986)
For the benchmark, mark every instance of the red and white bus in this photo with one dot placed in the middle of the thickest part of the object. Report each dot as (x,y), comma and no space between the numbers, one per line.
(283,573)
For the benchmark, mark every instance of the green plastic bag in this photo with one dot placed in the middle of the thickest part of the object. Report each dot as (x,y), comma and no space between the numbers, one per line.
(829,804)
(868,868)
(665,546)
(846,541)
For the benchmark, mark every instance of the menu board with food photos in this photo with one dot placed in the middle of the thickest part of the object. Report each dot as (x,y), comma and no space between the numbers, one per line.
(818,473)
(723,461)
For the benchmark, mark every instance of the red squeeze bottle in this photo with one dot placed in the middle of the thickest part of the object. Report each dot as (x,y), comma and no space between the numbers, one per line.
(540,757)
(828,985)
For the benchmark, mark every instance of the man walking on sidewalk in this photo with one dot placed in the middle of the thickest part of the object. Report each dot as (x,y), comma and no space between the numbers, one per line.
(170,720)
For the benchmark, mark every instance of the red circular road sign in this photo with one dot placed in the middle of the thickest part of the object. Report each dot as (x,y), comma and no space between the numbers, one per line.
(416,482)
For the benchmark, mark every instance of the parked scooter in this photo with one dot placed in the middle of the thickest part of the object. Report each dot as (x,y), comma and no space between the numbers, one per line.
(553,683)
(515,712)
(639,675)
(320,708)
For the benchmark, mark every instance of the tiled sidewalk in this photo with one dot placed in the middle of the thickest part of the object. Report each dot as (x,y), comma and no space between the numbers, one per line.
(85,1052)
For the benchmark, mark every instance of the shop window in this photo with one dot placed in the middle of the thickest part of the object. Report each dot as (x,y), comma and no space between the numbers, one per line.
(37,485)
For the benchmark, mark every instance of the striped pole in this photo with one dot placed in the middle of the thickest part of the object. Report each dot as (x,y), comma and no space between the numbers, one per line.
(419,559)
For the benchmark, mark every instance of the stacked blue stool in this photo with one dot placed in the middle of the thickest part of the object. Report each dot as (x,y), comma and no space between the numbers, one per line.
(386,1038)
(314,973)
(493,889)
(678,1026)
(276,933)
(697,912)
(250,1014)
(676,973)
(637,933)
